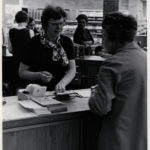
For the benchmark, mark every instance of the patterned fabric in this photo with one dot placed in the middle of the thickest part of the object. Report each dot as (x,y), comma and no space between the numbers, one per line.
(58,51)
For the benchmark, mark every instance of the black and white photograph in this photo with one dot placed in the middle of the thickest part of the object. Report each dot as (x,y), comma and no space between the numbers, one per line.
(74,75)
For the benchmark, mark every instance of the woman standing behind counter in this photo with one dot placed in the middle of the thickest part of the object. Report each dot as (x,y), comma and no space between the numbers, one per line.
(49,57)
(18,37)
(82,35)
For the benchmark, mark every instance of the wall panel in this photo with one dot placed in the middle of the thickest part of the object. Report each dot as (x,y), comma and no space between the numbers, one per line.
(72,4)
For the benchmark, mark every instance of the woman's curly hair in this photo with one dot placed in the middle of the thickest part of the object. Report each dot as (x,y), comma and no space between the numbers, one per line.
(51,12)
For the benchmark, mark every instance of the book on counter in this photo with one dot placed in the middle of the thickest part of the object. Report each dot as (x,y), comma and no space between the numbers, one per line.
(43,101)
(34,107)
(46,101)
(52,104)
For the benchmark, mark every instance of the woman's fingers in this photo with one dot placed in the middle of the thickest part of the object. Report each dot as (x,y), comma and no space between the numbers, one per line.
(46,76)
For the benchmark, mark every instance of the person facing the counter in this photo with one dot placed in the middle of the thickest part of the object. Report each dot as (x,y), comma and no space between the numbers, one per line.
(121,92)
(49,57)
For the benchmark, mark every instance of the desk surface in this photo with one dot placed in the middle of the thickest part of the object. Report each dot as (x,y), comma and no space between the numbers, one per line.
(16,116)
(91,58)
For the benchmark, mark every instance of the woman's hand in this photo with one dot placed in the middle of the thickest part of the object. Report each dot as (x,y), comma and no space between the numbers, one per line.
(46,76)
(60,88)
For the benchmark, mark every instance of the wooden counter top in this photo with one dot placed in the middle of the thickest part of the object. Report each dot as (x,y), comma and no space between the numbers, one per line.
(91,58)
(75,129)
(16,116)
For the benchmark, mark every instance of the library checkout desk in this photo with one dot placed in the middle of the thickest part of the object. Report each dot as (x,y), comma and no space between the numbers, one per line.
(74,129)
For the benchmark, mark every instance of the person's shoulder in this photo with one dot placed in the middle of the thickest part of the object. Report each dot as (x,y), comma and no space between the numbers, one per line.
(113,58)
(87,30)
(65,38)
(111,65)
(76,32)
(113,61)
(35,40)
(21,30)
(24,30)
(36,37)
(12,30)
(62,36)
(34,44)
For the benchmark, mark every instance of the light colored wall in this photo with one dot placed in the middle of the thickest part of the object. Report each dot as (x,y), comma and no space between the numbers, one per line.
(72,4)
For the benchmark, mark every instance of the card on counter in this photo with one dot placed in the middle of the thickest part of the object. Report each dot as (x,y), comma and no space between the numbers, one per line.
(46,101)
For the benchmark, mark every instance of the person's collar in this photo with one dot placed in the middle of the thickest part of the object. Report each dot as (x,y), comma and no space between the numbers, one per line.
(129,45)
(57,40)
(19,27)
(43,34)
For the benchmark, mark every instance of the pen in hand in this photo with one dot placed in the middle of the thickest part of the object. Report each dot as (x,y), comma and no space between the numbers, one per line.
(46,76)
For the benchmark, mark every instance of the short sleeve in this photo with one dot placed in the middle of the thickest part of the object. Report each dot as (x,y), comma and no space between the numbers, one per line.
(67,44)
(90,35)
(77,38)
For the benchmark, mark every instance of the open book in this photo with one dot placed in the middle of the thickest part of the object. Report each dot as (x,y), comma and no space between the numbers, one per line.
(34,107)
(52,104)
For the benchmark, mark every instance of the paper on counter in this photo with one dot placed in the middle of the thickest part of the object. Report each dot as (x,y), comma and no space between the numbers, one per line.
(84,92)
(46,101)
(34,107)
(29,105)
(23,110)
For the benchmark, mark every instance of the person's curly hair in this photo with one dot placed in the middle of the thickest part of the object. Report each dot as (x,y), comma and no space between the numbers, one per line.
(51,12)
(21,16)
(120,27)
